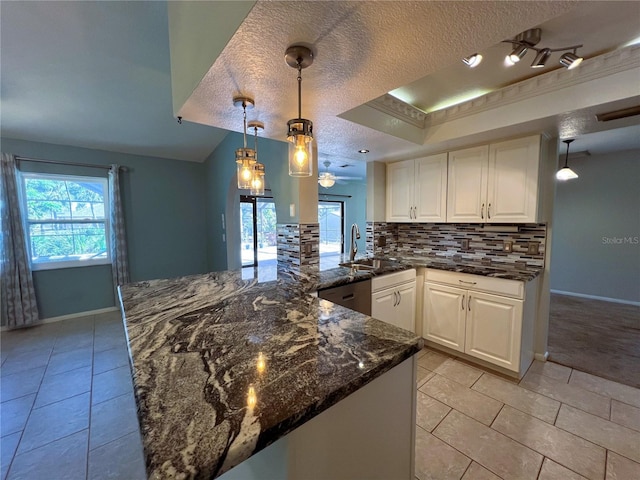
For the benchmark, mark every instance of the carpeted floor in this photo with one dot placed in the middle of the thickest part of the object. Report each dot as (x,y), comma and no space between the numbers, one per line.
(597,337)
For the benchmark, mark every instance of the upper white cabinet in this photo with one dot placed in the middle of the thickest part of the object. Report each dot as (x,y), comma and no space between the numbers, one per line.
(417,190)
(497,183)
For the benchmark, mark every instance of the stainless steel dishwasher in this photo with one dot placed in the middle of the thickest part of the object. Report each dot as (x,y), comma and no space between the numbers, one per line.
(356,296)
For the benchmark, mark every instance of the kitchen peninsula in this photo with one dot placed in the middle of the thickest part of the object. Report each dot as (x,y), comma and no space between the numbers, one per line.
(263,377)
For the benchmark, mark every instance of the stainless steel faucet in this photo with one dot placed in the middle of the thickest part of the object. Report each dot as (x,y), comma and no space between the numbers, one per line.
(354,245)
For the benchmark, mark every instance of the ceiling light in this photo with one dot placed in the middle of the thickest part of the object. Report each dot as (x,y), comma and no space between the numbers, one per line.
(300,130)
(363,150)
(541,58)
(565,173)
(245,157)
(517,53)
(570,60)
(257,178)
(327,179)
(472,60)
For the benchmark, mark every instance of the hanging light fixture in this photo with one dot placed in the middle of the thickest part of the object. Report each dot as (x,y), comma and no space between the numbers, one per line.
(300,130)
(245,157)
(565,173)
(257,180)
(327,179)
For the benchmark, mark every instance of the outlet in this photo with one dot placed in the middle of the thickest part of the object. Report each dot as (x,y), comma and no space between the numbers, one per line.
(464,244)
(382,241)
(508,246)
(533,248)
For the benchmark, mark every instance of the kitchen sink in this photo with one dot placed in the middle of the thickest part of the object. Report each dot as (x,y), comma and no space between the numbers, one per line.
(367,264)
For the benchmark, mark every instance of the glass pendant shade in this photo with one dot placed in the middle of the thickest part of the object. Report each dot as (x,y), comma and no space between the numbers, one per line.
(257,182)
(245,162)
(326,180)
(300,137)
(566,174)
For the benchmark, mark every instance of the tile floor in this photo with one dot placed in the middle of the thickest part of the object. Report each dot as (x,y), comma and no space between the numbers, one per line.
(68,412)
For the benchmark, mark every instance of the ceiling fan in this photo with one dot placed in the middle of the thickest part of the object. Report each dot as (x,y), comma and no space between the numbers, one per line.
(327,179)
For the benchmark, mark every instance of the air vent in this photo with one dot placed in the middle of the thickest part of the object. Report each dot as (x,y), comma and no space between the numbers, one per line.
(617,114)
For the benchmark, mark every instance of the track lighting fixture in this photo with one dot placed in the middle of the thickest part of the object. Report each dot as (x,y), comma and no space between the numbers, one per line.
(300,130)
(245,157)
(528,40)
(565,173)
(472,61)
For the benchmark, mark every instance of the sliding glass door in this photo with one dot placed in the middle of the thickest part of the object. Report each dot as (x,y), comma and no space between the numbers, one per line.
(331,220)
(258,230)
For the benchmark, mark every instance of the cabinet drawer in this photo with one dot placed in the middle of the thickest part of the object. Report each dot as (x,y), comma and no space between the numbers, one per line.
(392,279)
(498,286)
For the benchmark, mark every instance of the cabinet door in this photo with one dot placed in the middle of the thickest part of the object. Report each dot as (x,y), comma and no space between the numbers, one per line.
(396,306)
(443,318)
(467,185)
(512,194)
(405,311)
(431,188)
(494,329)
(400,191)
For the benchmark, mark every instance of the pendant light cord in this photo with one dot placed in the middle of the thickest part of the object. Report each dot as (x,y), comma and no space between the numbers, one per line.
(244,123)
(566,158)
(299,88)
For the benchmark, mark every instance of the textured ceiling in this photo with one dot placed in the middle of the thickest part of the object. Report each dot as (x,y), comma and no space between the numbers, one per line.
(363,50)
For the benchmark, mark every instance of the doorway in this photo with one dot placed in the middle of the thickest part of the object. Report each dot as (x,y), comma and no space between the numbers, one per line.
(331,220)
(258,234)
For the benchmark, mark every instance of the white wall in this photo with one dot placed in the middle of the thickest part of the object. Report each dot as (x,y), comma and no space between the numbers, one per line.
(596,219)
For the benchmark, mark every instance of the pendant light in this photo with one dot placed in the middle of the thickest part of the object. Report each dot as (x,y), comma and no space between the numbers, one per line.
(257,180)
(327,179)
(565,173)
(300,130)
(245,157)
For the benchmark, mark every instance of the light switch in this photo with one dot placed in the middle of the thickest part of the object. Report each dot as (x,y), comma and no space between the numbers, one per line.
(292,210)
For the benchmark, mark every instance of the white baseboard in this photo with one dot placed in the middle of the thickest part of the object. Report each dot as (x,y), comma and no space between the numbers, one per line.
(541,357)
(69,316)
(595,297)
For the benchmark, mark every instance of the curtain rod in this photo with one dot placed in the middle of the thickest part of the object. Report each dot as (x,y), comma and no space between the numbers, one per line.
(333,195)
(39,160)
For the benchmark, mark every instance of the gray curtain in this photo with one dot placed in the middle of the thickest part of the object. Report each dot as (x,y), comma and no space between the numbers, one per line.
(18,295)
(118,243)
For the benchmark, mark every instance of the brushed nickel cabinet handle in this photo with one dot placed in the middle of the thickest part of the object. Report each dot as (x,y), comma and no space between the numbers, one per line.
(462,303)
(469,303)
(489,211)
(482,212)
(468,283)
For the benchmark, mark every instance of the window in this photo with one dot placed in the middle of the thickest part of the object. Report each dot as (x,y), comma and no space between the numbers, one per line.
(66,219)
(331,220)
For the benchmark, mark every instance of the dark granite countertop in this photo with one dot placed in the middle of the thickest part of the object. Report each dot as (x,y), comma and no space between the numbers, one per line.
(224,366)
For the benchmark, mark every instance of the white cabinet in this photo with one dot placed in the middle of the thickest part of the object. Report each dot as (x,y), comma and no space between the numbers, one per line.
(393,299)
(417,190)
(495,183)
(483,317)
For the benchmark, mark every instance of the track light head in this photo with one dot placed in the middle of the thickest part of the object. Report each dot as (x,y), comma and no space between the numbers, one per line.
(570,60)
(541,58)
(472,60)
(518,52)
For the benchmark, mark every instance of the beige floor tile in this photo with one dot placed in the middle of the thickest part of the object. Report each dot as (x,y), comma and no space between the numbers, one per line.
(459,397)
(607,434)
(621,468)
(573,452)
(422,375)
(625,415)
(478,472)
(422,353)
(432,360)
(435,460)
(496,452)
(567,393)
(459,372)
(623,393)
(429,412)
(552,471)
(518,397)
(550,369)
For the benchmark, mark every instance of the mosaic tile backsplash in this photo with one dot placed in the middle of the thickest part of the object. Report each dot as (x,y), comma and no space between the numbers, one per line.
(298,244)
(480,243)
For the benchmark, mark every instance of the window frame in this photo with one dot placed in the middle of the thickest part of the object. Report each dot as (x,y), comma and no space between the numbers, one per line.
(55,265)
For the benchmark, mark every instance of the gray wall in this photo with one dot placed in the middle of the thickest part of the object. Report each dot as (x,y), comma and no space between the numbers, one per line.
(596,228)
(164,208)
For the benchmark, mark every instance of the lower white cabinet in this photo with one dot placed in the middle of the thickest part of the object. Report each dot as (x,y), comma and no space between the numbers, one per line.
(393,299)
(486,318)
